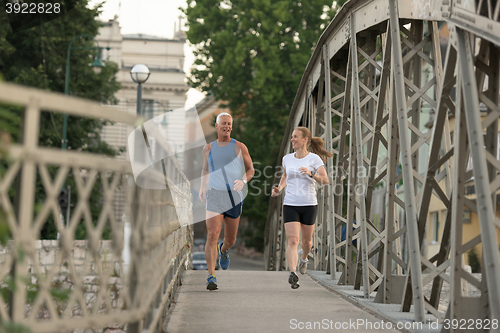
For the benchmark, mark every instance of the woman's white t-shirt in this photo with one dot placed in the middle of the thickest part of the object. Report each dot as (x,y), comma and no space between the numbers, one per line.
(300,188)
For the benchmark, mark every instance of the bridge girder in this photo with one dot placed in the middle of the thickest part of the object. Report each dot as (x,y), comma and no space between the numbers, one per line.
(376,72)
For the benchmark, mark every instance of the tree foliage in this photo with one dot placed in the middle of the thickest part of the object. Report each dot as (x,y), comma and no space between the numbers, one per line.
(252,54)
(36,57)
(474,262)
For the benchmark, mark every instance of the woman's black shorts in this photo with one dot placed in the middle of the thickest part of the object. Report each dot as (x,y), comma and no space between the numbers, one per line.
(303,214)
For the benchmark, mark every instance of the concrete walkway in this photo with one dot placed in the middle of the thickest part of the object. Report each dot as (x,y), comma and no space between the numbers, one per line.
(253,301)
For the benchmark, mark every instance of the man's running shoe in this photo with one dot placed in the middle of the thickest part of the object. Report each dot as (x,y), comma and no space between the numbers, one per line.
(302,264)
(223,257)
(212,283)
(293,279)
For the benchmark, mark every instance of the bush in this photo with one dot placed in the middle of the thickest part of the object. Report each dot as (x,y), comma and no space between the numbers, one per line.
(474,263)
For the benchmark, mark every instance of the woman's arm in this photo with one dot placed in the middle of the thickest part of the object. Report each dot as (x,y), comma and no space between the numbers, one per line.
(320,176)
(282,184)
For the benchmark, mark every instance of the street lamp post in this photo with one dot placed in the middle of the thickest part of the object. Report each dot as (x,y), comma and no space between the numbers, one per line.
(97,65)
(140,74)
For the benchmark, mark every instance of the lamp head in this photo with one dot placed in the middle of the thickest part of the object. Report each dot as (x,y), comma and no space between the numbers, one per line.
(140,73)
(97,65)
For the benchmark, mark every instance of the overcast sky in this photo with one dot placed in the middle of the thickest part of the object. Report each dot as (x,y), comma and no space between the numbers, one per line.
(152,17)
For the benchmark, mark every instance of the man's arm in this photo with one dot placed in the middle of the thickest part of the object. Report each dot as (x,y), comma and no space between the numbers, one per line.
(250,171)
(204,174)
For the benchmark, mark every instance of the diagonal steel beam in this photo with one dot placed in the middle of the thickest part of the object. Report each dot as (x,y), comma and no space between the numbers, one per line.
(486,211)
(329,164)
(409,194)
(356,117)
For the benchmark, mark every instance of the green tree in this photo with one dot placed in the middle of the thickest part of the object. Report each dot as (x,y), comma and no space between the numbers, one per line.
(36,57)
(252,54)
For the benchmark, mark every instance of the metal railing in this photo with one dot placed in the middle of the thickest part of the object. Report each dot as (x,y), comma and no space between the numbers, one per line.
(374,80)
(59,297)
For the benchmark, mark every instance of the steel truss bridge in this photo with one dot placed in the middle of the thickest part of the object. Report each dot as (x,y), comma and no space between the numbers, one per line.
(376,74)
(379,69)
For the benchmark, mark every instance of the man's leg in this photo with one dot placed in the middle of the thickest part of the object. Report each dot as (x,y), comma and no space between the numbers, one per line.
(214,226)
(230,232)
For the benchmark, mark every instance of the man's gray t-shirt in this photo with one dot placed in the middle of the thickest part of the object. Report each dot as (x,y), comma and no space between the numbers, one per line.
(224,166)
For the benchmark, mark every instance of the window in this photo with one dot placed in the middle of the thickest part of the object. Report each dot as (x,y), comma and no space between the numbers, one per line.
(470,165)
(466,216)
(435,227)
(148,108)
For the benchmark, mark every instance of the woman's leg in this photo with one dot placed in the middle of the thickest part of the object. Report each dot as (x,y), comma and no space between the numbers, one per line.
(292,230)
(307,233)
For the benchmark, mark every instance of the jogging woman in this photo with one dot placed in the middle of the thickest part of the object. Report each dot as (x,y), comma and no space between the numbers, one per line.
(302,170)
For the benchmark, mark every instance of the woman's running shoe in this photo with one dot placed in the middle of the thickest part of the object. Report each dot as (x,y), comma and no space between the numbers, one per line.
(293,279)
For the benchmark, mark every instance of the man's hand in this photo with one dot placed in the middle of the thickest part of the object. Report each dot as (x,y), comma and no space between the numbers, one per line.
(201,195)
(238,185)
(275,191)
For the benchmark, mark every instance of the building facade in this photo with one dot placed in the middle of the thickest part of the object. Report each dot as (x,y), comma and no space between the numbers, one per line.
(164,91)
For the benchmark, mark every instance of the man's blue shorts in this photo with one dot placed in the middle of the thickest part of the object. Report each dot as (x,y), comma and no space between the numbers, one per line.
(227,203)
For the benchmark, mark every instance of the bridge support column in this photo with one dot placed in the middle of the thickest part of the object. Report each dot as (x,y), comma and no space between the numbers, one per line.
(486,212)
(407,168)
(360,186)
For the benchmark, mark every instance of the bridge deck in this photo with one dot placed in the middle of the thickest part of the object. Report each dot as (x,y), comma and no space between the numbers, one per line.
(256,301)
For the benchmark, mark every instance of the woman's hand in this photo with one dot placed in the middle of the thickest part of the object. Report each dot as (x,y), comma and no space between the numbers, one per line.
(304,170)
(275,191)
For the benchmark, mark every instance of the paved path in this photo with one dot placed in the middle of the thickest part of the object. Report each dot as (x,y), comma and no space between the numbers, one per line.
(253,301)
(239,263)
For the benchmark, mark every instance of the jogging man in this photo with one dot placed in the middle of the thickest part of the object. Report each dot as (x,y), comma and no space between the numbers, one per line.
(229,167)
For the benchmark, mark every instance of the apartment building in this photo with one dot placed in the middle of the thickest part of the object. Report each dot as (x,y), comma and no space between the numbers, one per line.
(164,91)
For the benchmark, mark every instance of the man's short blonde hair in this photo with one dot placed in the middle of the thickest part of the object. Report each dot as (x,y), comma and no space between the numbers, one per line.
(221,115)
